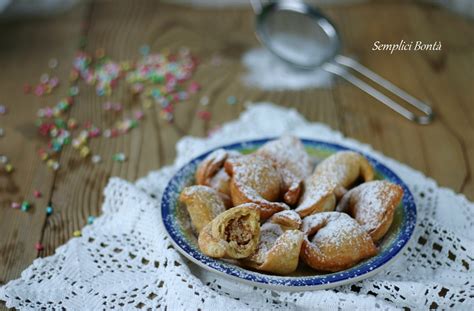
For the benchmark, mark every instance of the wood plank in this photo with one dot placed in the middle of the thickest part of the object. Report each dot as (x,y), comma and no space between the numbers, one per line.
(442,150)
(25,49)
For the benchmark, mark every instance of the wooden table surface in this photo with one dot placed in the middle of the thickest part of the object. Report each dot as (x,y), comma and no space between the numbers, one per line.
(443,150)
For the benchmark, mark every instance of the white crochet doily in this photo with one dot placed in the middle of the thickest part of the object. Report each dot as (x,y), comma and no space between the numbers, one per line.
(124,260)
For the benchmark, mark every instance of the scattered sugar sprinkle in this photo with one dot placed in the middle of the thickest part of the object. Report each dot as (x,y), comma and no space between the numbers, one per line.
(119,157)
(3,110)
(39,247)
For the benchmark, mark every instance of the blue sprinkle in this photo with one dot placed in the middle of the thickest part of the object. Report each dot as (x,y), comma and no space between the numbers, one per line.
(145,50)
(231,100)
(49,210)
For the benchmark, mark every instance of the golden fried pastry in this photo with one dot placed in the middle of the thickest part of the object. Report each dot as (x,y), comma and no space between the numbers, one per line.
(203,204)
(334,242)
(373,204)
(232,234)
(278,251)
(287,220)
(211,172)
(330,180)
(345,167)
(318,196)
(254,179)
(293,163)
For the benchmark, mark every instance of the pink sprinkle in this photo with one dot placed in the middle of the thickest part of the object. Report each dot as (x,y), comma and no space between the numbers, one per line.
(137,88)
(39,90)
(39,246)
(95,132)
(194,87)
(107,106)
(138,114)
(15,205)
(204,115)
(54,82)
(48,112)
(37,194)
(117,107)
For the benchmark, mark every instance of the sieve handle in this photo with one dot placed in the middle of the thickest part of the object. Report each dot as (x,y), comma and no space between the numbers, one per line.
(339,66)
(257,6)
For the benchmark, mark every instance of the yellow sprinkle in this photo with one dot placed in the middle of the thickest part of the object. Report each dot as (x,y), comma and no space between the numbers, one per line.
(77,233)
(85,151)
(9,168)
(147,104)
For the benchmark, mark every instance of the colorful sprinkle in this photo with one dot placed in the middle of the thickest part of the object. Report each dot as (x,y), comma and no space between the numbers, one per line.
(77,233)
(145,50)
(44,78)
(138,114)
(3,159)
(85,151)
(73,91)
(96,159)
(53,164)
(204,101)
(39,247)
(37,194)
(3,110)
(2,132)
(90,220)
(9,168)
(231,100)
(161,79)
(53,63)
(25,206)
(119,157)
(15,205)
(49,210)
(204,115)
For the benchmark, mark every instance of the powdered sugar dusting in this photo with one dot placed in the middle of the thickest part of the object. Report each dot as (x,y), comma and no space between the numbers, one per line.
(289,153)
(336,228)
(269,233)
(373,198)
(315,190)
(256,177)
(341,168)
(290,215)
(208,196)
(268,72)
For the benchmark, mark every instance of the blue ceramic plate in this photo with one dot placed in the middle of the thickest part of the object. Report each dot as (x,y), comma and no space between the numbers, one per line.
(177,224)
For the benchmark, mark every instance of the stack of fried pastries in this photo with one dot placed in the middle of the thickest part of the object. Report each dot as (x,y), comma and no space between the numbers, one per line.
(272,209)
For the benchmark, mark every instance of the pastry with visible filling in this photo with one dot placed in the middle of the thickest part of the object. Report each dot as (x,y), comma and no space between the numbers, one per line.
(334,241)
(373,205)
(232,234)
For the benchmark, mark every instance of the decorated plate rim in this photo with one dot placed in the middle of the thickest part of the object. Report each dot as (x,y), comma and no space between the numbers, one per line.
(323,281)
